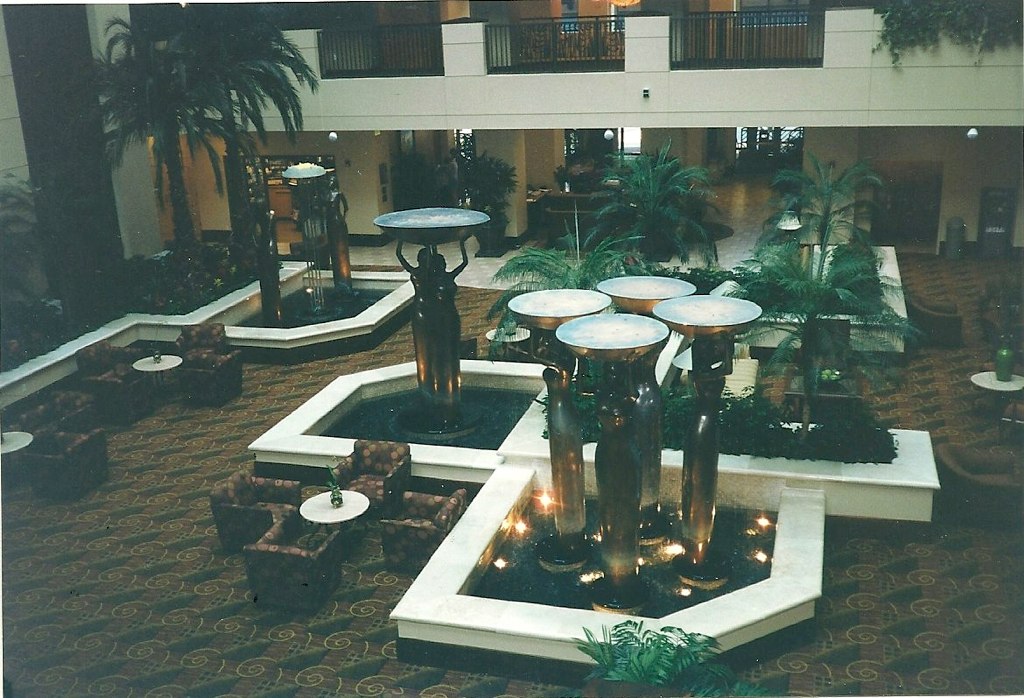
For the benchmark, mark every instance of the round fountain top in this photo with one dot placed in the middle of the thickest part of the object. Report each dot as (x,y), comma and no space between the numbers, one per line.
(304,170)
(612,337)
(639,294)
(430,226)
(549,309)
(702,315)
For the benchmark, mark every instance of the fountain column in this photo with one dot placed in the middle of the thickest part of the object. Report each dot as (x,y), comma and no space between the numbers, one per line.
(712,322)
(544,312)
(436,325)
(639,294)
(618,341)
(310,199)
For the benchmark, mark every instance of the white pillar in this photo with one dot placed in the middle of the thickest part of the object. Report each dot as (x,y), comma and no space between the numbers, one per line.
(134,193)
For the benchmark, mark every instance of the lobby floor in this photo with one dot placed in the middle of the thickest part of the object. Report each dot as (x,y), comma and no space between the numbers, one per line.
(127,592)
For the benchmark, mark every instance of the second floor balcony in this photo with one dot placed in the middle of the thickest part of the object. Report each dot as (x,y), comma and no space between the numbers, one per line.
(399,50)
(556,45)
(751,39)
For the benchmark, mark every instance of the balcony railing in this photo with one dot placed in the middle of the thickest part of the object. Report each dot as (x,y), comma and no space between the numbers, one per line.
(383,51)
(756,39)
(557,46)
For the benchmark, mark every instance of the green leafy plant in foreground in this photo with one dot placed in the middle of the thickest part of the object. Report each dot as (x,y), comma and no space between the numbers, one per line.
(672,657)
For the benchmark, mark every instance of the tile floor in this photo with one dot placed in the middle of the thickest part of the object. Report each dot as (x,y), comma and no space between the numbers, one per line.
(744,205)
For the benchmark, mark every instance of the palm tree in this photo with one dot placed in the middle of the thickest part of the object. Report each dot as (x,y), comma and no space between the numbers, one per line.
(248,63)
(147,95)
(660,204)
(811,305)
(540,269)
(827,203)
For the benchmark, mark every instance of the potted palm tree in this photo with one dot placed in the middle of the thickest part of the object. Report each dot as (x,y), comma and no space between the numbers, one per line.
(658,206)
(488,181)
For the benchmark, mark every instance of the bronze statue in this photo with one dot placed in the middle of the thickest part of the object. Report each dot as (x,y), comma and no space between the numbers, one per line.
(436,330)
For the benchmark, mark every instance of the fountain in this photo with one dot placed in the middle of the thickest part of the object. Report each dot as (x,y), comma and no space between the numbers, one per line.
(311,201)
(712,323)
(639,294)
(545,312)
(435,324)
(618,341)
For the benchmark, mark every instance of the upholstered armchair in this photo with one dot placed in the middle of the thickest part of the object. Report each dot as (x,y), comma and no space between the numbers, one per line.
(939,323)
(379,469)
(211,372)
(415,533)
(122,394)
(65,410)
(984,486)
(64,465)
(246,507)
(293,565)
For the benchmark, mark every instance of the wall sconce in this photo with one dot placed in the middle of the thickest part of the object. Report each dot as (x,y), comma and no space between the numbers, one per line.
(609,134)
(972,133)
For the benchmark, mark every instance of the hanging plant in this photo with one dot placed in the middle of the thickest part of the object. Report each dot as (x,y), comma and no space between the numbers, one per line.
(983,25)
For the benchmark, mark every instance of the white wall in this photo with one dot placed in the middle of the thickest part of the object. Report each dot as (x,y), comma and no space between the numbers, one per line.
(13,158)
(993,160)
(856,87)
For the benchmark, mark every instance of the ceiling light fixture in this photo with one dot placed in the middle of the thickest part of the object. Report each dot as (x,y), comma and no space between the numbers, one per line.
(788,221)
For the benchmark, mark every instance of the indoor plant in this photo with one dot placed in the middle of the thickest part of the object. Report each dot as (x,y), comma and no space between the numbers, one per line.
(657,206)
(488,181)
(670,657)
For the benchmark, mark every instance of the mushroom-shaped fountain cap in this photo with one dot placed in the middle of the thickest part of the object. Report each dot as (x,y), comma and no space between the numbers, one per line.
(612,337)
(431,226)
(703,315)
(549,309)
(639,294)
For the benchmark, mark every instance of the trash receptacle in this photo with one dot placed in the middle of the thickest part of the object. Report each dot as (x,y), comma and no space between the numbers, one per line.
(956,231)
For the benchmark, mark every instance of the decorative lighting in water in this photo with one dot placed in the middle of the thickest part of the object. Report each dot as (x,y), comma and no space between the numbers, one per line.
(685,591)
(761,556)
(672,549)
(500,563)
(520,527)
(545,500)
(589,577)
(641,562)
(763,521)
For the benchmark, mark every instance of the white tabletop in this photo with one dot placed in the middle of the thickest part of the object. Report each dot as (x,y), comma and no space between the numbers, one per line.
(14,441)
(520,334)
(150,364)
(319,509)
(987,380)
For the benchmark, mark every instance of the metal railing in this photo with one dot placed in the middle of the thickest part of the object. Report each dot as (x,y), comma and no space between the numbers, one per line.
(383,51)
(754,39)
(556,45)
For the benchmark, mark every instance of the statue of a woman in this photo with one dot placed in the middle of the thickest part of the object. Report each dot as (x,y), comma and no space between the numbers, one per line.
(436,332)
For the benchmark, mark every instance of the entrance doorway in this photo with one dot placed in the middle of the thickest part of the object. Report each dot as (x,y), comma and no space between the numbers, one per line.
(908,205)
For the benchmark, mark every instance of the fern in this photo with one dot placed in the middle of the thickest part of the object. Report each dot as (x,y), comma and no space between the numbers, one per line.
(667,657)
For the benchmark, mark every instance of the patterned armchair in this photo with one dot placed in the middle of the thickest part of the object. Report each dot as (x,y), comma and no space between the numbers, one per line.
(246,507)
(64,466)
(122,394)
(65,410)
(294,568)
(379,469)
(211,372)
(411,538)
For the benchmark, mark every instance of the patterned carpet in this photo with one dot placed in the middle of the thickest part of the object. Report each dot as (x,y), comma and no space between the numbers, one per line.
(127,593)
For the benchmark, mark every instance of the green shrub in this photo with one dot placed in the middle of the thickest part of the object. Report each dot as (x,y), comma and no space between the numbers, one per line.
(752,424)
